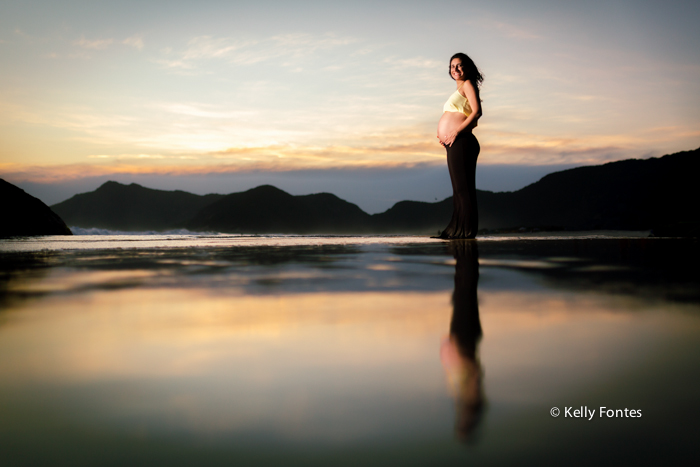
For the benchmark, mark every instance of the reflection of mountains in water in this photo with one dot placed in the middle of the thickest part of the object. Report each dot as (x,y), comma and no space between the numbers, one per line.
(655,270)
(626,195)
(651,269)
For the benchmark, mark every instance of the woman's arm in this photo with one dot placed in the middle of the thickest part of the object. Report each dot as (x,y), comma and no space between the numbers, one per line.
(472,94)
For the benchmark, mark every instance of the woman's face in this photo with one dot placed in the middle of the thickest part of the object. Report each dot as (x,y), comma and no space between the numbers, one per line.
(456,69)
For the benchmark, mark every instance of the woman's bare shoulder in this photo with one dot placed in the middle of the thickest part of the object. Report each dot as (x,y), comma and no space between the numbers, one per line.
(469,85)
(468,88)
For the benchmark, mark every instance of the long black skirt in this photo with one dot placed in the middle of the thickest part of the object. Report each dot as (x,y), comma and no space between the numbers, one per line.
(461,161)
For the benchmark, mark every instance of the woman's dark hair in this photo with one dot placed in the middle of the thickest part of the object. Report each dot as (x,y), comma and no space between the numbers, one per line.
(470,70)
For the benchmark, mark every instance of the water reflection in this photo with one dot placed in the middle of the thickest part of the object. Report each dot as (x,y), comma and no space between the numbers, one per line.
(271,356)
(459,350)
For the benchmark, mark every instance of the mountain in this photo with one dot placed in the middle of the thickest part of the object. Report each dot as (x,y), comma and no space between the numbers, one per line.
(414,217)
(24,215)
(267,209)
(657,193)
(132,207)
(630,195)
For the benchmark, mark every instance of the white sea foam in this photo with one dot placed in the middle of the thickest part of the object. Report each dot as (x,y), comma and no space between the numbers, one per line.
(161,240)
(97,231)
(105,239)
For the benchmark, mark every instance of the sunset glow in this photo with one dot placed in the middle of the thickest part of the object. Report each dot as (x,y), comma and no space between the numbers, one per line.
(93,91)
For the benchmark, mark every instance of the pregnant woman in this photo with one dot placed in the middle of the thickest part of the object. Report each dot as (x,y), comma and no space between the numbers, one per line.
(461,113)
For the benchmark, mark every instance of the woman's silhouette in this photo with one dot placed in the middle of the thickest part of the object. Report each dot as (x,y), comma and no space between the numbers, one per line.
(460,115)
(458,352)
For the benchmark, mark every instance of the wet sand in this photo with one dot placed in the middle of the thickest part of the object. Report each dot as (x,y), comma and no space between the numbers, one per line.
(215,350)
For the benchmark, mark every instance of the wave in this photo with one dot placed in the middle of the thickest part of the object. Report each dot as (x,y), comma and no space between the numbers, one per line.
(98,231)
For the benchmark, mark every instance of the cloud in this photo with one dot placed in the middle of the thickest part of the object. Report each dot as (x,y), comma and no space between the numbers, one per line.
(96,44)
(378,152)
(507,29)
(208,47)
(543,154)
(337,156)
(175,64)
(213,136)
(126,156)
(252,51)
(134,41)
(20,173)
(413,63)
(199,110)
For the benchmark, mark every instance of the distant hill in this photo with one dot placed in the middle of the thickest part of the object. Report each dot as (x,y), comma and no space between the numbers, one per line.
(267,209)
(627,195)
(132,207)
(414,217)
(25,215)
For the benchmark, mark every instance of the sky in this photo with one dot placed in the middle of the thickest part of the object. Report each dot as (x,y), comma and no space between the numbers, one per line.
(343,97)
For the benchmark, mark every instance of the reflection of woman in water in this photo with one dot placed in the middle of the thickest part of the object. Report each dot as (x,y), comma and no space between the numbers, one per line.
(461,113)
(458,352)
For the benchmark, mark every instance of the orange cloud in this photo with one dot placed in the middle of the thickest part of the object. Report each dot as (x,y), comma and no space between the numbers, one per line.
(341,155)
(61,173)
(395,148)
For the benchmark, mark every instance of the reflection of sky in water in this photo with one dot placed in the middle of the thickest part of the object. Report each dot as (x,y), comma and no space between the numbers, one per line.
(335,348)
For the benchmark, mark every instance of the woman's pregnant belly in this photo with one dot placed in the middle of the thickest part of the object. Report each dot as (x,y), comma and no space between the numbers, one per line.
(449,122)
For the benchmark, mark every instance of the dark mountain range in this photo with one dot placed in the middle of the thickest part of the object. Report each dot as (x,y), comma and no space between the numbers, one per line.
(24,215)
(628,195)
(414,217)
(657,193)
(269,209)
(133,207)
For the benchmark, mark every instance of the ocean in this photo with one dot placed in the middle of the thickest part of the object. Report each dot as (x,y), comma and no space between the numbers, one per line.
(208,349)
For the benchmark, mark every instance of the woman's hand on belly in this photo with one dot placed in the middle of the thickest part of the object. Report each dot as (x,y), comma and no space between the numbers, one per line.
(450,138)
(449,127)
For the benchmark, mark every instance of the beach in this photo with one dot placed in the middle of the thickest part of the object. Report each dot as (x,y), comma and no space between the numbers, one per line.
(268,350)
